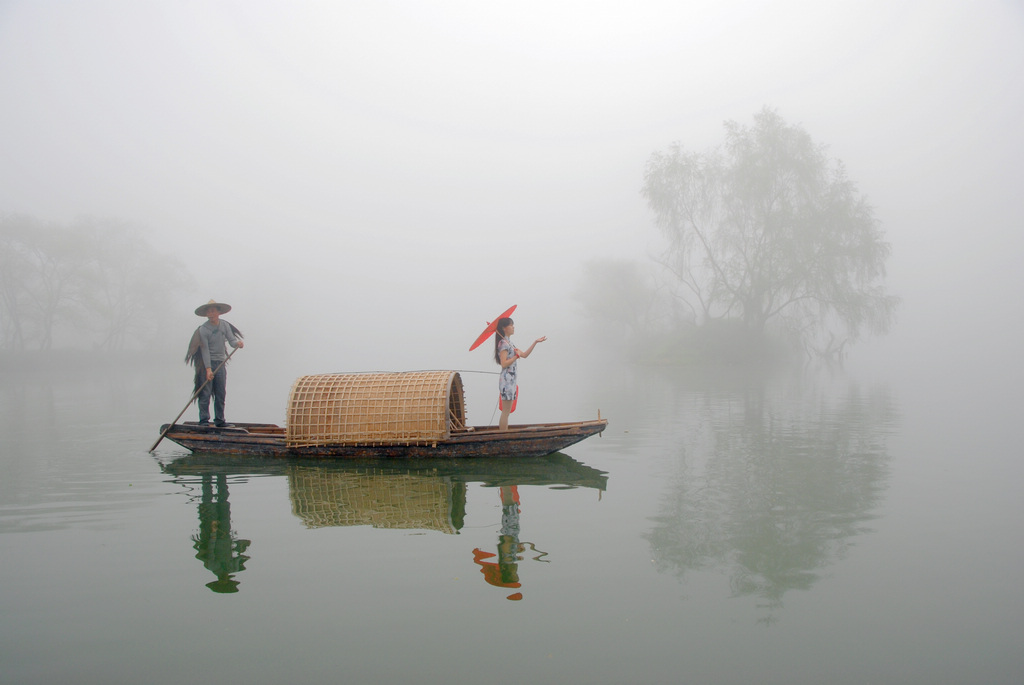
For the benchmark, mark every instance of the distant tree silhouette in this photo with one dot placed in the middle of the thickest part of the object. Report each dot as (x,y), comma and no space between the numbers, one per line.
(768,231)
(97,282)
(621,299)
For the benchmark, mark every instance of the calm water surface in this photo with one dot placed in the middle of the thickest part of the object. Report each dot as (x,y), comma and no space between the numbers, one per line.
(725,529)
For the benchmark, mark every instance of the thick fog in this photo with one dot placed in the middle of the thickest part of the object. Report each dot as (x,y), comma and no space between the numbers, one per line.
(369,183)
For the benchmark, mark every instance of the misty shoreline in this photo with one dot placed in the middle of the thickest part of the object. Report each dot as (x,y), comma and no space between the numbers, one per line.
(18,362)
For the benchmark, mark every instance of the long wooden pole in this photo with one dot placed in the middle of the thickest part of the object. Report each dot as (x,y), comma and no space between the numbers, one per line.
(190,400)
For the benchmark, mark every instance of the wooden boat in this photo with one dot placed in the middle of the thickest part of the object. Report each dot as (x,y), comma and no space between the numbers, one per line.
(418,414)
(263,439)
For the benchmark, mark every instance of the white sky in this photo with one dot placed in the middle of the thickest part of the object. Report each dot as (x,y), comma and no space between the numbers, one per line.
(412,168)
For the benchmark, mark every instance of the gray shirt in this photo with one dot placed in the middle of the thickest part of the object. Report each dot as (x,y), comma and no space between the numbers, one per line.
(212,339)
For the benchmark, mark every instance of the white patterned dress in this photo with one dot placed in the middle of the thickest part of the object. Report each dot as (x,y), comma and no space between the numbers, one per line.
(507,381)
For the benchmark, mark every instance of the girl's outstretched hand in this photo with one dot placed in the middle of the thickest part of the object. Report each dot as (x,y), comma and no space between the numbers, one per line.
(524,355)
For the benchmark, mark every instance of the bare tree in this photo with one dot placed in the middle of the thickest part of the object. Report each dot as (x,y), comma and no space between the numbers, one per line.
(134,285)
(96,281)
(769,231)
(44,272)
(14,268)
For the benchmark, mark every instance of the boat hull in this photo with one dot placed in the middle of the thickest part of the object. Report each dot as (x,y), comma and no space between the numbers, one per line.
(268,440)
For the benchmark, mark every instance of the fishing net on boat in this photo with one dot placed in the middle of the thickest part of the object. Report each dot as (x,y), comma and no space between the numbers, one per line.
(414,407)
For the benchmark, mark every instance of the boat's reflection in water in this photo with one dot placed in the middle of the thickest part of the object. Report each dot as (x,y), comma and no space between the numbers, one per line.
(420,494)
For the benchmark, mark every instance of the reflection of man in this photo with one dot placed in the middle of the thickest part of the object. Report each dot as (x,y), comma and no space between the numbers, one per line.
(214,544)
(505,573)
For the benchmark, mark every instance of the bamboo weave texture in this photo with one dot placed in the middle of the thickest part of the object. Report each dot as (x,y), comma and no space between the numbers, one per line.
(413,407)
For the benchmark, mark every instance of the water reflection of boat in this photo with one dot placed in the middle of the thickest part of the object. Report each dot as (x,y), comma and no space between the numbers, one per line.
(410,494)
(374,415)
(426,494)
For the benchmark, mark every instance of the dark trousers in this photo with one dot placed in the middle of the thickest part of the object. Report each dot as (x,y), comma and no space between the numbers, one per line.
(218,387)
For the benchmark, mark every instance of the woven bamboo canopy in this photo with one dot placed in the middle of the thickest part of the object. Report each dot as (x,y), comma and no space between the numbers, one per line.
(408,408)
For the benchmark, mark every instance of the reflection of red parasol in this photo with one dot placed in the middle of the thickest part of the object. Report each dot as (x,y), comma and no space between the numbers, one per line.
(491,327)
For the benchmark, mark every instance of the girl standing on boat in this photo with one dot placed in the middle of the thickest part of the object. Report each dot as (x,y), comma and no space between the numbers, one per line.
(507,355)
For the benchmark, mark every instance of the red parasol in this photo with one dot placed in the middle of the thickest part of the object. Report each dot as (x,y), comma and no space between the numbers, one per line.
(491,327)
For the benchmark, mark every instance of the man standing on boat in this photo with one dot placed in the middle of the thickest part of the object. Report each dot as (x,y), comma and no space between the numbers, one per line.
(208,355)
